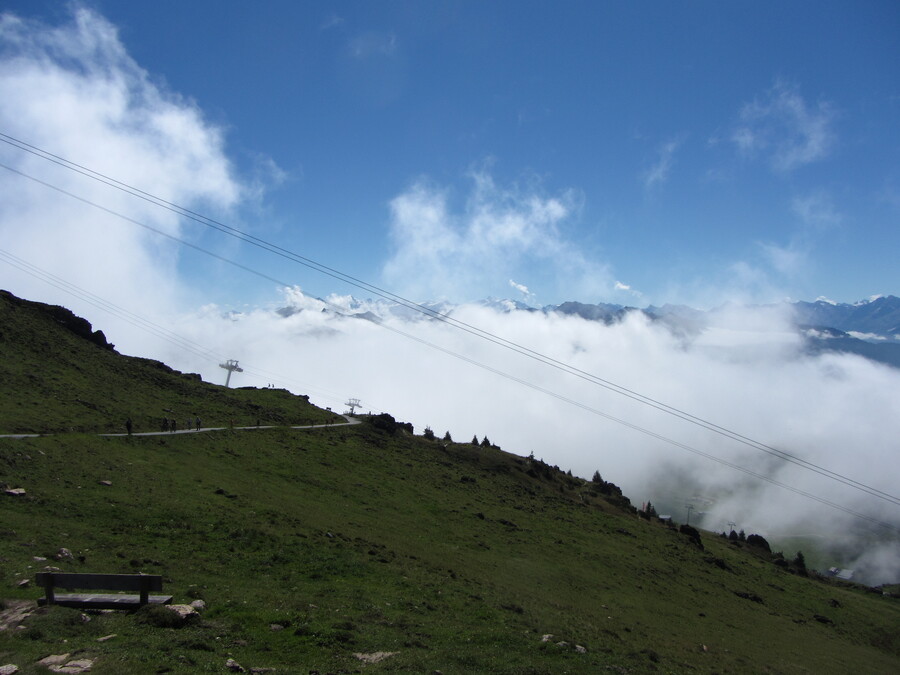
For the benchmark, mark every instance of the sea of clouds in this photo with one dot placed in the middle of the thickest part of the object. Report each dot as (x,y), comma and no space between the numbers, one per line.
(74,89)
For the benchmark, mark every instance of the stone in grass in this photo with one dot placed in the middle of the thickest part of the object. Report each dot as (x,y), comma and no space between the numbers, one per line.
(9,669)
(53,660)
(74,667)
(234,666)
(374,657)
(185,612)
(64,554)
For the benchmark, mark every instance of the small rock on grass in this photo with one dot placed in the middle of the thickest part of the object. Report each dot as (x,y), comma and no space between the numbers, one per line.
(234,666)
(184,612)
(53,660)
(9,669)
(74,667)
(374,657)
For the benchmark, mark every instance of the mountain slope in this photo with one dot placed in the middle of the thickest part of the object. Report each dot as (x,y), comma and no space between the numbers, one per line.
(310,546)
(59,374)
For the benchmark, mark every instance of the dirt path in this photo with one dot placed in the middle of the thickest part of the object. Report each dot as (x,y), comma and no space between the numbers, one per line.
(350,421)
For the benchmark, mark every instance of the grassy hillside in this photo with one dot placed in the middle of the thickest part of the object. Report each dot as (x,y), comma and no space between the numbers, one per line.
(58,374)
(311,546)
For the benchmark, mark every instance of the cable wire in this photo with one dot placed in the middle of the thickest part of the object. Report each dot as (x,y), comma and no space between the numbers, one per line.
(446,318)
(450,320)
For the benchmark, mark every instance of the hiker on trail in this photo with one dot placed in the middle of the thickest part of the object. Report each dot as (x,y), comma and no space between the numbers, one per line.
(165,424)
(187,425)
(198,423)
(128,426)
(172,426)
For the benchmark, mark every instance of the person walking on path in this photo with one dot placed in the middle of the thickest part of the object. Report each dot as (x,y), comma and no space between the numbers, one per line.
(128,426)
(165,424)
(198,423)
(172,425)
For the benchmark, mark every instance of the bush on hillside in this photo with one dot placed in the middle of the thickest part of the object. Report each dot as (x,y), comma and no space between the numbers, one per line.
(693,533)
(387,423)
(759,542)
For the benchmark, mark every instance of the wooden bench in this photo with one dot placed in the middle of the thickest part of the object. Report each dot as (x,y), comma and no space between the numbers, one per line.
(142,583)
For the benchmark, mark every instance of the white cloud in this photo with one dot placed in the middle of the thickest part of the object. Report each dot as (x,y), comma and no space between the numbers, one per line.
(331,21)
(73,90)
(782,127)
(816,209)
(522,288)
(499,234)
(659,172)
(789,262)
(373,44)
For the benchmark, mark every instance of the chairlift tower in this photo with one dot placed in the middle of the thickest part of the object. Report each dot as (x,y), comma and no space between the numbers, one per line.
(353,404)
(231,365)
(689,507)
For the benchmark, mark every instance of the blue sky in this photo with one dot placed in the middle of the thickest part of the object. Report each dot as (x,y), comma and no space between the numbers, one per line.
(637,153)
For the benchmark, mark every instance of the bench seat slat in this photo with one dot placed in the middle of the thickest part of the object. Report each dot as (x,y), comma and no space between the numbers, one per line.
(104,600)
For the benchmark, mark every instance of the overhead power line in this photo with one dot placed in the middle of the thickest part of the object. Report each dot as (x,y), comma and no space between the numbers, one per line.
(273,248)
(427,311)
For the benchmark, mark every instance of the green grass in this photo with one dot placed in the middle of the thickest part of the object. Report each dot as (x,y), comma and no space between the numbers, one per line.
(358,541)
(56,381)
(355,539)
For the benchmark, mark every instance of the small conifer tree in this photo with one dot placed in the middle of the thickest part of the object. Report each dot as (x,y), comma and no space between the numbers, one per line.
(475,440)
(428,434)
(447,437)
(800,563)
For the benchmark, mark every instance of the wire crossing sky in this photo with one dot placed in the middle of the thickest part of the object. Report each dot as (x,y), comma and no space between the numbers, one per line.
(446,318)
(465,327)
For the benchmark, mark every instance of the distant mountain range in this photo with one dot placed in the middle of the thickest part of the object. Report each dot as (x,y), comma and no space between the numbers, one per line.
(869,328)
